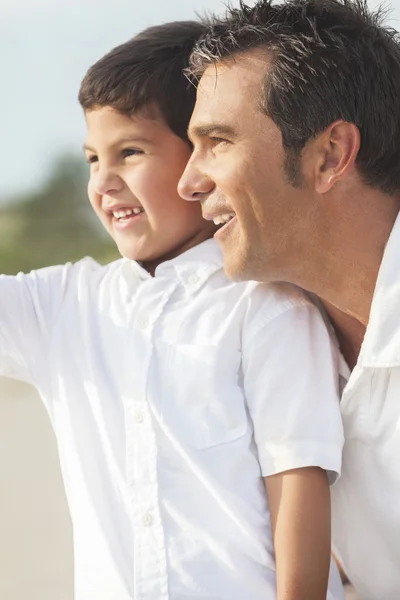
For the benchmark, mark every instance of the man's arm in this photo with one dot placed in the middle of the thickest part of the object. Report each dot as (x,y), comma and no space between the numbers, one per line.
(299,503)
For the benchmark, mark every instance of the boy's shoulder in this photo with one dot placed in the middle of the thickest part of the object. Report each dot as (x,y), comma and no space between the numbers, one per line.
(205,262)
(285,295)
(272,298)
(265,302)
(71,275)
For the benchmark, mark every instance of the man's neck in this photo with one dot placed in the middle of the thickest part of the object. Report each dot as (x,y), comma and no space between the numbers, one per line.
(349,332)
(346,281)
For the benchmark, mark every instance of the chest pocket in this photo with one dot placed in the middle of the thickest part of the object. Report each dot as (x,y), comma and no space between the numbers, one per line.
(201,402)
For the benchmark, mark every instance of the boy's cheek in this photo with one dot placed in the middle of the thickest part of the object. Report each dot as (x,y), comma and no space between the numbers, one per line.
(94,198)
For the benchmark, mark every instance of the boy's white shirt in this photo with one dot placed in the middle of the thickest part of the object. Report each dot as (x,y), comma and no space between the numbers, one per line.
(366,500)
(171,396)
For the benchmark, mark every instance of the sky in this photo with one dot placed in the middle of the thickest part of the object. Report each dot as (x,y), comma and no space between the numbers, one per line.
(46,46)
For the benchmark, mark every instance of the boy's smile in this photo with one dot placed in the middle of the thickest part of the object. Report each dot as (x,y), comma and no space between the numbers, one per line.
(135,165)
(124,216)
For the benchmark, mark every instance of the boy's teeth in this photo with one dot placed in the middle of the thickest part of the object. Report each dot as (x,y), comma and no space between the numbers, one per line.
(122,214)
(220,219)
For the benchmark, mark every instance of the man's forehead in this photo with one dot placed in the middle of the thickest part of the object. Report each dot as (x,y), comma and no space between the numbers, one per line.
(227,91)
(243,72)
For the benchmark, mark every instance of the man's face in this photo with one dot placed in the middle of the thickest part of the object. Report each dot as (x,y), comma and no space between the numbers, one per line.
(135,165)
(237,172)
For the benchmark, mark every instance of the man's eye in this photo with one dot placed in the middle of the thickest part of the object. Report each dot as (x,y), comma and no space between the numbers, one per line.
(92,159)
(217,141)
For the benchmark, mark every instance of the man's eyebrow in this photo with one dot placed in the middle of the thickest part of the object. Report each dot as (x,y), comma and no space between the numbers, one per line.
(208,130)
(127,140)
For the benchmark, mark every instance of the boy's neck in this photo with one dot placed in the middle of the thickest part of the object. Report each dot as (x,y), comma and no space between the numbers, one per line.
(151,265)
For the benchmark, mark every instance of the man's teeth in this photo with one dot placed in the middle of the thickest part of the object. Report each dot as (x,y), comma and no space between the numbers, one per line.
(122,214)
(223,218)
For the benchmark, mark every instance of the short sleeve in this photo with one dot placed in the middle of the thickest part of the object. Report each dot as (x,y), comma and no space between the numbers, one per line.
(291,381)
(29,304)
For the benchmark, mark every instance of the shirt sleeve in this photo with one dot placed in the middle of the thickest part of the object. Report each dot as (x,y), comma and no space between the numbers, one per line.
(29,305)
(291,382)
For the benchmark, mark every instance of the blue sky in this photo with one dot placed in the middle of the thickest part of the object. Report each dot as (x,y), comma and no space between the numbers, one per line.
(46,47)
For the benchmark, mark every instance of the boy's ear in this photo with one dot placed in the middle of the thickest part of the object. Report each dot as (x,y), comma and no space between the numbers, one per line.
(335,152)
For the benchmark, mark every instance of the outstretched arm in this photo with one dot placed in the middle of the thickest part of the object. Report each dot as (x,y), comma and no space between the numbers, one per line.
(29,305)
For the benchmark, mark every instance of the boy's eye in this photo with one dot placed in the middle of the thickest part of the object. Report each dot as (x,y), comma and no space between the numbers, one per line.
(92,159)
(131,152)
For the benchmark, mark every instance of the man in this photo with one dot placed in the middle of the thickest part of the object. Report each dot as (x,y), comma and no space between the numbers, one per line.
(296,135)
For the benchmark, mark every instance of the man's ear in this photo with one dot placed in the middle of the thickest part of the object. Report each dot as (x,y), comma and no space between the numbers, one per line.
(335,151)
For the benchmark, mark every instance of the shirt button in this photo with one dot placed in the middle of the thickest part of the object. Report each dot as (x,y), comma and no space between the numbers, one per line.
(139,416)
(193,279)
(147,520)
(143,322)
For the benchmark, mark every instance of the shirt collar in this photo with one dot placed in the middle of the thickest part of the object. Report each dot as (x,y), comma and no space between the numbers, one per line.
(194,267)
(381,346)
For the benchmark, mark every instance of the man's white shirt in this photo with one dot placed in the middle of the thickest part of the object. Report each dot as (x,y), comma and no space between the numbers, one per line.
(171,397)
(366,500)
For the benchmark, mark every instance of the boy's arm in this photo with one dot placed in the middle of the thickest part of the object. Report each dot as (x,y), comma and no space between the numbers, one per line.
(29,305)
(291,384)
(299,503)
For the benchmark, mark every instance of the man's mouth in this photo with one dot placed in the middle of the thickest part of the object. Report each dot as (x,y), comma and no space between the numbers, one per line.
(222,219)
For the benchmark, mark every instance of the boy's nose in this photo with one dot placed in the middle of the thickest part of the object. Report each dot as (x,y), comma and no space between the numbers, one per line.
(194,185)
(106,182)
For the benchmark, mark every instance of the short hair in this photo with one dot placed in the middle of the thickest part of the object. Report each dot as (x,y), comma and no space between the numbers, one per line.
(329,60)
(147,71)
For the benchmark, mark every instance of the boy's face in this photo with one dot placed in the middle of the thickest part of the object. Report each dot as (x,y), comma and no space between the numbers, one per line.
(135,165)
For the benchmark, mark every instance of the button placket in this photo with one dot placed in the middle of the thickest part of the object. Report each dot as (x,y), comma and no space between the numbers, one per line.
(138,417)
(150,572)
(147,520)
(143,322)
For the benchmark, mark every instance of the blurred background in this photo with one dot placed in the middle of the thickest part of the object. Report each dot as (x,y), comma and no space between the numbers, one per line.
(46,46)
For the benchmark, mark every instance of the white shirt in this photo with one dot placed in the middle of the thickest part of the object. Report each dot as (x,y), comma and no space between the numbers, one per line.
(171,396)
(366,500)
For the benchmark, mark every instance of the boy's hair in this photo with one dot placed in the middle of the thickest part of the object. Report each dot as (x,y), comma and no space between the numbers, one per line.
(329,60)
(146,72)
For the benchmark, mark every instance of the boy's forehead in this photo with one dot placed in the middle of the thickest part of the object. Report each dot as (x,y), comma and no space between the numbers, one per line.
(107,123)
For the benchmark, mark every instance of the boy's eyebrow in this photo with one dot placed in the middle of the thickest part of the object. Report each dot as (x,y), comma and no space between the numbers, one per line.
(207,130)
(128,140)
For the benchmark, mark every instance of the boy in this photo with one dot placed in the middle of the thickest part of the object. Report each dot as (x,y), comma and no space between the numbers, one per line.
(172,391)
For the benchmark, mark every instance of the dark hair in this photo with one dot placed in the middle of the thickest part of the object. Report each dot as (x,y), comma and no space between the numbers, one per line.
(329,60)
(147,71)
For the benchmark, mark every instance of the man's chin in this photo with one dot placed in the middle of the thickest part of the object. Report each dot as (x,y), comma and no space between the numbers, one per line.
(235,270)
(245,267)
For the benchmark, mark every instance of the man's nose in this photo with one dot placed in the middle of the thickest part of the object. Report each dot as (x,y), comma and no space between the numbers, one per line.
(194,184)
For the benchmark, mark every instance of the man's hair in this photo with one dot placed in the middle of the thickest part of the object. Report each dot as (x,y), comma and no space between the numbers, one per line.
(329,60)
(147,72)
